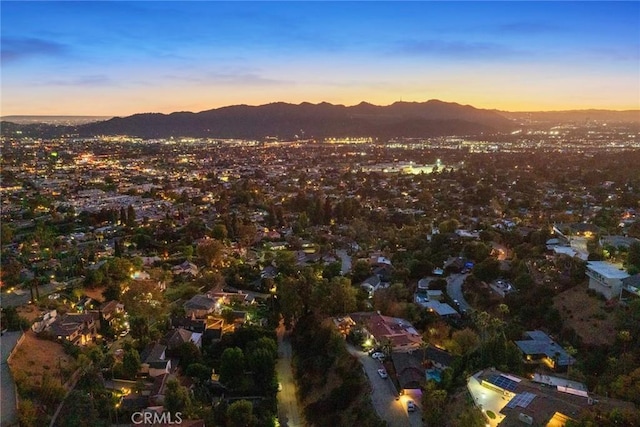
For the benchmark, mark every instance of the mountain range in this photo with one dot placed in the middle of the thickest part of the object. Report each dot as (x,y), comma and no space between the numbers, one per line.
(306,120)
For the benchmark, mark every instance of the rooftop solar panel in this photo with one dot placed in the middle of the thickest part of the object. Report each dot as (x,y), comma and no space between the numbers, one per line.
(503,382)
(523,400)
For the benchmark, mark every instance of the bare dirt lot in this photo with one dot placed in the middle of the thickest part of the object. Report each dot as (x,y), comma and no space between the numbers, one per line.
(29,312)
(587,316)
(35,356)
(94,294)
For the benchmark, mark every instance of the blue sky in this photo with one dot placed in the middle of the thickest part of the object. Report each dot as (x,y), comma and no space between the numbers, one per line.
(118,58)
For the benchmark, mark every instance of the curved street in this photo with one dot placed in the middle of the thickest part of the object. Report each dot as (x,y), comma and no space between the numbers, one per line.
(454,290)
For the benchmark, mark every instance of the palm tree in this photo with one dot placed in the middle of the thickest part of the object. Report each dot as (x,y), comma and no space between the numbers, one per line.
(386,347)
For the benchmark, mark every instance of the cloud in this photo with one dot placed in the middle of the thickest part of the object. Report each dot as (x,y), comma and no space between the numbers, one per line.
(526,27)
(229,78)
(629,54)
(84,81)
(251,79)
(17,48)
(456,49)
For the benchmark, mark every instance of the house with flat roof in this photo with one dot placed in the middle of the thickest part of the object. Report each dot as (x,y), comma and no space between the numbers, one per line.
(539,346)
(630,287)
(606,278)
(515,401)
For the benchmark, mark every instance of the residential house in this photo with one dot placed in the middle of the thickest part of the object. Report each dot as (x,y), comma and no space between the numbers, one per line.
(176,337)
(158,390)
(154,361)
(398,333)
(605,278)
(414,368)
(372,284)
(45,321)
(187,268)
(630,287)
(189,323)
(539,346)
(79,329)
(110,311)
(199,306)
(516,401)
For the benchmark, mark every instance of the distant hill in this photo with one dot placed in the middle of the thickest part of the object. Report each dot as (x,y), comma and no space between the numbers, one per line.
(289,121)
(282,120)
(574,116)
(54,120)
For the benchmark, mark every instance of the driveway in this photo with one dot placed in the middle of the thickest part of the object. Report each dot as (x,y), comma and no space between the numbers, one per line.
(346,261)
(454,290)
(383,395)
(7,386)
(289,413)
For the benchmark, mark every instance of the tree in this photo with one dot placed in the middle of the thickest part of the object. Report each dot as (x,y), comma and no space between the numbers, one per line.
(471,417)
(199,372)
(291,302)
(212,252)
(433,405)
(139,327)
(123,216)
(240,414)
(79,410)
(27,413)
(263,365)
(187,251)
(633,256)
(219,232)
(360,271)
(477,251)
(188,353)
(131,216)
(286,262)
(232,367)
(10,319)
(465,342)
(487,270)
(449,226)
(176,398)
(131,363)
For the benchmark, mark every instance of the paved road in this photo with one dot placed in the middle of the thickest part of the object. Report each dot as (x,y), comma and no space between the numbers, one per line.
(383,395)
(289,413)
(454,290)
(7,386)
(346,261)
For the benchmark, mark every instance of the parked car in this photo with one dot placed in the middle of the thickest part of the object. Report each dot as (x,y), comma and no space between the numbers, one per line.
(411,406)
(378,355)
(382,373)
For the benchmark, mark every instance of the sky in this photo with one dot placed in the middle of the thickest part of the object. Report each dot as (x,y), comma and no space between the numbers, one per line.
(120,58)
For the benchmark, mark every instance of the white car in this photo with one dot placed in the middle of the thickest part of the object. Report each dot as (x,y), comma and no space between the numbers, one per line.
(382,373)
(378,355)
(411,406)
